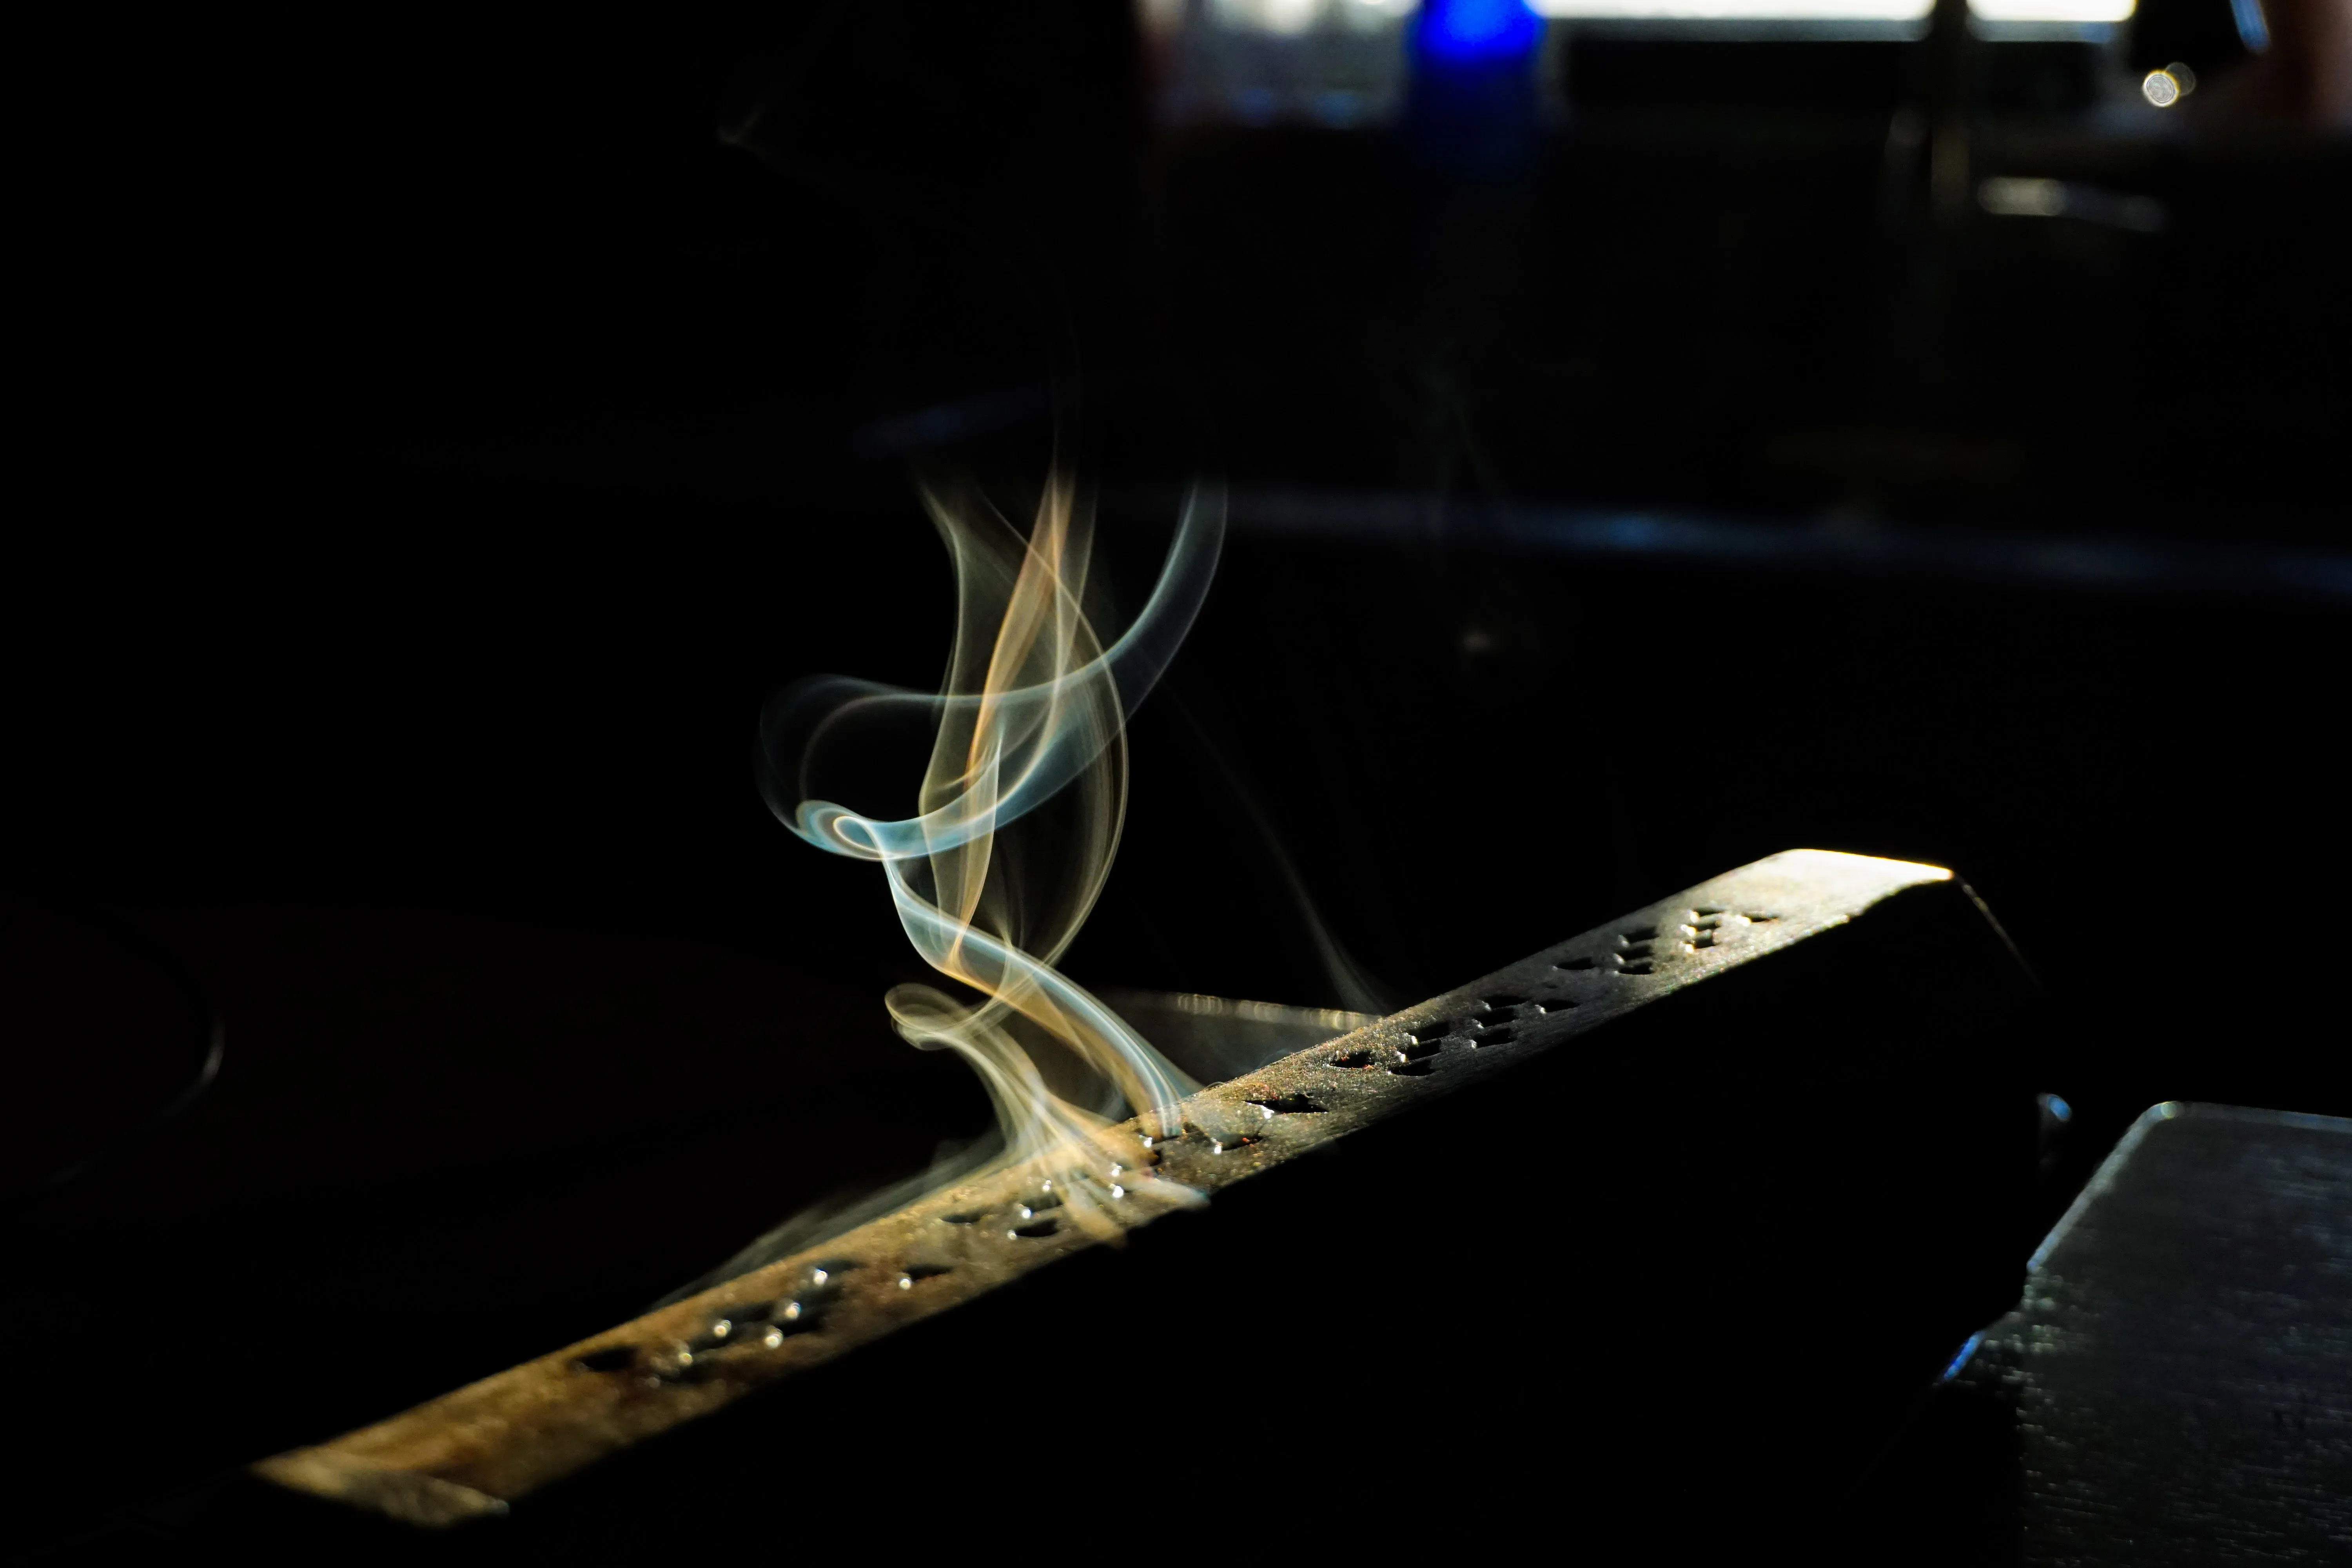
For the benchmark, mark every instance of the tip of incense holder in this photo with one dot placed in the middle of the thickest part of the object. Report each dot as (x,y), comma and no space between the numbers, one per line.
(405,1495)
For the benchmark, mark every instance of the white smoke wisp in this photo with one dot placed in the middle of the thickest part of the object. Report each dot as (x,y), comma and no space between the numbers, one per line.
(1035,706)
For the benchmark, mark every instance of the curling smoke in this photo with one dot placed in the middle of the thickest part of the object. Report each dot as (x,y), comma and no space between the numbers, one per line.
(1034,707)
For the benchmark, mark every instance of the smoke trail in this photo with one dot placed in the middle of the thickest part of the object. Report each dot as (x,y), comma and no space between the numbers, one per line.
(1356,992)
(1034,707)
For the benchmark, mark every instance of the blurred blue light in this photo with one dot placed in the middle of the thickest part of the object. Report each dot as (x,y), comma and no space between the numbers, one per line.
(2059,1108)
(1961,1359)
(1338,107)
(2253,27)
(1256,105)
(1477,32)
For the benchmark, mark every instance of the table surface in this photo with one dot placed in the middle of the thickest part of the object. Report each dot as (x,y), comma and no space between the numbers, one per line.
(2176,1383)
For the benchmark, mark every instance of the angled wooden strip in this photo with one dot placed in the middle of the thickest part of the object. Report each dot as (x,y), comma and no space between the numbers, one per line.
(478,1448)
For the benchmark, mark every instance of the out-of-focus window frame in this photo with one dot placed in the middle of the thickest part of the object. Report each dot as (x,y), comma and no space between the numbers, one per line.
(1342,64)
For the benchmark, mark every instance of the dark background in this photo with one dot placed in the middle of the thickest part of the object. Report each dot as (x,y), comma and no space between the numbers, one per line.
(442,439)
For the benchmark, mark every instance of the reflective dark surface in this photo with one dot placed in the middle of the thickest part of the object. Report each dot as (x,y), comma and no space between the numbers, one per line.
(2176,1383)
